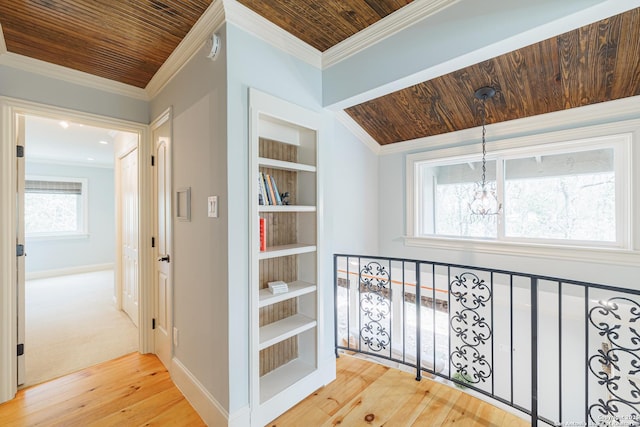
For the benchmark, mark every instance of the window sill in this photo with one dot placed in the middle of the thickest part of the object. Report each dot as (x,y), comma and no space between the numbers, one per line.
(47,237)
(610,256)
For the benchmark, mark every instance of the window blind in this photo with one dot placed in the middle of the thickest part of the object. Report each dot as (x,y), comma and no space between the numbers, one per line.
(53,187)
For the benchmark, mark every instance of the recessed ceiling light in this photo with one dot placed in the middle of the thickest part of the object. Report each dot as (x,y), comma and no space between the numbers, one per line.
(90,159)
(103,142)
(64,124)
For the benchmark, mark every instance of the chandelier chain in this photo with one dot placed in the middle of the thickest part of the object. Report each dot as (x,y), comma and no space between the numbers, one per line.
(484,144)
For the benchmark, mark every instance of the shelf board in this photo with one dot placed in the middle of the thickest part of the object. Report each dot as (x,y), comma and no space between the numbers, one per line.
(280,164)
(296,289)
(286,208)
(283,377)
(286,250)
(278,331)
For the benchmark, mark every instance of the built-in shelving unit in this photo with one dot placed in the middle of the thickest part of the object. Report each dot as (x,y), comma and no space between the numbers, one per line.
(285,327)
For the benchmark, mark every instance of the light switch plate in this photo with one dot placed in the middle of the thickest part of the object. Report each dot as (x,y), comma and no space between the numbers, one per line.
(212,206)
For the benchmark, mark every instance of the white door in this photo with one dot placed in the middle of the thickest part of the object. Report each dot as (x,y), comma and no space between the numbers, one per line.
(129,233)
(20,141)
(162,270)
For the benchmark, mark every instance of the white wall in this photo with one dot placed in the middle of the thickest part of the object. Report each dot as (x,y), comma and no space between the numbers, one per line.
(201,272)
(98,247)
(392,213)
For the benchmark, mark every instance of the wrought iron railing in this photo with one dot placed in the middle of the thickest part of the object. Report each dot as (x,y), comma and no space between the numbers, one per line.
(563,352)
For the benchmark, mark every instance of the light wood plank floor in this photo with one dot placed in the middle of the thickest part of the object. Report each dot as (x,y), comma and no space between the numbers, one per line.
(136,390)
(369,394)
(133,390)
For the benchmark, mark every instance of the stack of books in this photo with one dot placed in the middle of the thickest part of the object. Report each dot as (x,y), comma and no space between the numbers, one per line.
(268,191)
(278,287)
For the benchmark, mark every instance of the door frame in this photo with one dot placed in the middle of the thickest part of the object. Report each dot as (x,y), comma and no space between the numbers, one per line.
(9,109)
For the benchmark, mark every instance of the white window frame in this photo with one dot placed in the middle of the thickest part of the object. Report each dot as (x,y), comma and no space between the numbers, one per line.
(83,216)
(623,252)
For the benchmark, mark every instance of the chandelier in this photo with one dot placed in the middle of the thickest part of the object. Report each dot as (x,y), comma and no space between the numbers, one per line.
(484,202)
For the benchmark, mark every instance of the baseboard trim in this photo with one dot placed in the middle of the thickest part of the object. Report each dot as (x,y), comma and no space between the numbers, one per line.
(67,271)
(209,409)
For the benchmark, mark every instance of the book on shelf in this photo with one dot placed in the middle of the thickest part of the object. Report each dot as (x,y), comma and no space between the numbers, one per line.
(278,287)
(266,196)
(261,199)
(275,190)
(268,193)
(269,185)
(263,235)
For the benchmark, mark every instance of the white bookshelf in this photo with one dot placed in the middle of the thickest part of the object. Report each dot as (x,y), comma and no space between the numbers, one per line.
(286,208)
(284,328)
(278,380)
(279,331)
(296,289)
(284,165)
(286,250)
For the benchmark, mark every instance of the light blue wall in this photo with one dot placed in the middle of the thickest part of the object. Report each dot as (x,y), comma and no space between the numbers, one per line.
(46,90)
(99,246)
(197,96)
(253,63)
(352,194)
(211,155)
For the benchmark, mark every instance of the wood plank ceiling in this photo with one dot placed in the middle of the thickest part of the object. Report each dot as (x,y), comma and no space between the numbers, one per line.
(122,40)
(127,41)
(323,24)
(596,63)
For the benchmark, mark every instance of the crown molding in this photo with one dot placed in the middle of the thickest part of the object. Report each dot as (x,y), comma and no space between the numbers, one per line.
(353,127)
(267,31)
(209,22)
(48,69)
(601,113)
(386,27)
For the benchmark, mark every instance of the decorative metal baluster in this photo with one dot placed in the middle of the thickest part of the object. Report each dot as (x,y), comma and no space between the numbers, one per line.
(471,328)
(375,311)
(616,365)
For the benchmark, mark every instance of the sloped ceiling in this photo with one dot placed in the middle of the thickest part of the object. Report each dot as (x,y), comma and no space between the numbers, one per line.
(596,63)
(128,41)
(125,41)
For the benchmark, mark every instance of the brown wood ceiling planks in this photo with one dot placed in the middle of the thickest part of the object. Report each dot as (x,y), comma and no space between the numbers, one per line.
(596,63)
(125,41)
(323,24)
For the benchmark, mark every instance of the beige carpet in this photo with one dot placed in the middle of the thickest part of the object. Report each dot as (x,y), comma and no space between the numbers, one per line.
(72,323)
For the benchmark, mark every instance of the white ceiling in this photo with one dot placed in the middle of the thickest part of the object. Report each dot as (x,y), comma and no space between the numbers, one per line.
(48,141)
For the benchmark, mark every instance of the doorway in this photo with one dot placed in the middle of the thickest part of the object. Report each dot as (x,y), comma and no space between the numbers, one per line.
(73,313)
(70,295)
(10,259)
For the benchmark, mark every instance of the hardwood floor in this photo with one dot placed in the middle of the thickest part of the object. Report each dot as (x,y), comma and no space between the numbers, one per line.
(136,390)
(133,390)
(366,393)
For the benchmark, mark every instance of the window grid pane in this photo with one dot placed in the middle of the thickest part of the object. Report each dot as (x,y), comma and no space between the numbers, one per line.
(51,213)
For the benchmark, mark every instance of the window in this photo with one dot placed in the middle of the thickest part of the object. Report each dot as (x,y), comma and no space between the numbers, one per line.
(571,193)
(55,206)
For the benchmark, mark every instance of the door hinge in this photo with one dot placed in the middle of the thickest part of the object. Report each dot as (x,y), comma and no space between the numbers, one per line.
(153,242)
(19,250)
(19,150)
(153,323)
(20,349)
(153,160)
